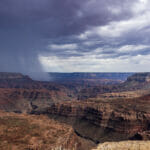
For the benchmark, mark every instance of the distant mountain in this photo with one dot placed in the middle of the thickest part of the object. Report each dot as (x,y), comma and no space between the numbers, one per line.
(13,76)
(16,87)
(139,77)
(137,81)
(83,75)
(19,93)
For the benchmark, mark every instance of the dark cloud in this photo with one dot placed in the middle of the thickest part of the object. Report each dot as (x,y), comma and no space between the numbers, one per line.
(27,27)
(55,17)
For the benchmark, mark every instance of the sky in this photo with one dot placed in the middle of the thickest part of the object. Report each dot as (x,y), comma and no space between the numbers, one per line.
(74,36)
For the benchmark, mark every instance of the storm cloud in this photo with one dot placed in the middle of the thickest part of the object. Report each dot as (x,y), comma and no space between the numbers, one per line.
(88,35)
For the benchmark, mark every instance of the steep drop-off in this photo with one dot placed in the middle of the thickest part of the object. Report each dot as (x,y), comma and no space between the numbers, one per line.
(111,120)
(30,132)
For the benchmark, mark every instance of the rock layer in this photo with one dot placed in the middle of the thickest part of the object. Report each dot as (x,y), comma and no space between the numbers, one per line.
(105,120)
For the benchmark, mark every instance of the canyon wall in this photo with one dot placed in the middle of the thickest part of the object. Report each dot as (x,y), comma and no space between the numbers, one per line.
(106,120)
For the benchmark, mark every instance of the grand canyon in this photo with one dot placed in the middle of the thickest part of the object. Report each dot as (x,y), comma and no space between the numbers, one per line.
(80,111)
(74,75)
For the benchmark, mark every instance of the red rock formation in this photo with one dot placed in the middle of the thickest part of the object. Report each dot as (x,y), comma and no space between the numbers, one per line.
(25,100)
(106,120)
(99,120)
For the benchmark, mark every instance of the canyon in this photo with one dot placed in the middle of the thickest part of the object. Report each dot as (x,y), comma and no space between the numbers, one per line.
(96,108)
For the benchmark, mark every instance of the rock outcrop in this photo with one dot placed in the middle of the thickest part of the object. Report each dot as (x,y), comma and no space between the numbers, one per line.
(22,132)
(125,145)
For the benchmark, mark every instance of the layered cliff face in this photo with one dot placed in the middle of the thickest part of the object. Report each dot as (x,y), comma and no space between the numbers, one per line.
(69,89)
(24,100)
(137,81)
(20,93)
(111,120)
